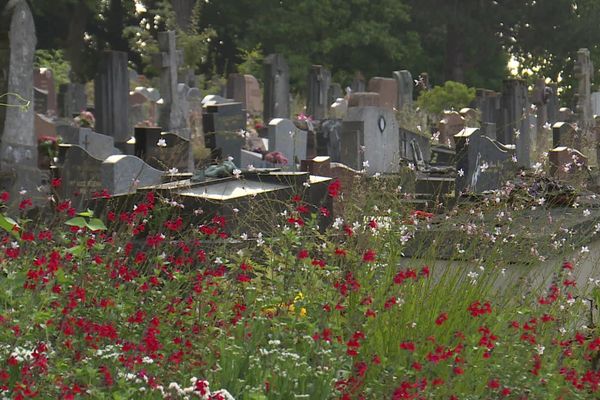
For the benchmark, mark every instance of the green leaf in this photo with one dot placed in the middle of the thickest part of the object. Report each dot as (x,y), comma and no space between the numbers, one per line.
(8,224)
(77,221)
(89,213)
(96,224)
(77,251)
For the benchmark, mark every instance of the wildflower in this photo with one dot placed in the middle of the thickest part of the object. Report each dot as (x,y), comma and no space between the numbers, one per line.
(443,317)
(369,256)
(334,188)
(161,143)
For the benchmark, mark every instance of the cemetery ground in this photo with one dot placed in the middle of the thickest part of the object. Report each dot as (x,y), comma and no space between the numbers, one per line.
(143,301)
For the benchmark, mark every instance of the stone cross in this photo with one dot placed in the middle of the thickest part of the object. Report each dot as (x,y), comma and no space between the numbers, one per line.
(277,88)
(319,80)
(584,72)
(171,117)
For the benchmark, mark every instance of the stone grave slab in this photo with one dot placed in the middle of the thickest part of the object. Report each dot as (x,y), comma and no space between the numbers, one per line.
(244,88)
(96,144)
(122,174)
(277,88)
(111,96)
(43,79)
(405,85)
(163,150)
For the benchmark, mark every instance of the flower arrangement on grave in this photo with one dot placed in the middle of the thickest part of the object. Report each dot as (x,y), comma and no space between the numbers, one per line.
(276,157)
(85,119)
(47,150)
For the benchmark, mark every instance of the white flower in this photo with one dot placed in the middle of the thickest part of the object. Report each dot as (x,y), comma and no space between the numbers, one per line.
(541,201)
(161,143)
(484,166)
(365,164)
(513,159)
(229,158)
(540,349)
(411,166)
(461,173)
(237,173)
(547,126)
(586,213)
(419,128)
(22,192)
(173,171)
(306,184)
(585,249)
(259,239)
(251,167)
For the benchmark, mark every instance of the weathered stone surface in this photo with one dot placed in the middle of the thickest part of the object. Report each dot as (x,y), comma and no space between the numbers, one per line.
(18,149)
(96,144)
(246,90)
(287,139)
(43,79)
(277,88)
(387,89)
(405,85)
(123,174)
(584,72)
(370,140)
(515,116)
(319,79)
(364,99)
(482,163)
(71,99)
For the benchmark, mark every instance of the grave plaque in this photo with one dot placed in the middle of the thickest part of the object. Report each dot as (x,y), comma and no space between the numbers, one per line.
(277,88)
(319,80)
(224,125)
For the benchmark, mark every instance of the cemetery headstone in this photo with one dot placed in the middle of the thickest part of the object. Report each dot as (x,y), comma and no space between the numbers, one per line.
(171,115)
(370,140)
(111,97)
(565,134)
(80,173)
(163,150)
(407,145)
(277,88)
(406,85)
(224,125)
(287,139)
(246,90)
(18,148)
(584,72)
(335,92)
(71,99)
(43,81)
(43,125)
(317,104)
(515,117)
(358,83)
(363,99)
(96,144)
(488,104)
(329,139)
(481,163)
(451,124)
(387,89)
(122,174)
(565,161)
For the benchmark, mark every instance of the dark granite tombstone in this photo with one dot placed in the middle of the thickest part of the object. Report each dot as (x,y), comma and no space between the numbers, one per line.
(277,88)
(565,134)
(163,150)
(111,97)
(319,80)
(246,90)
(407,140)
(71,99)
(329,139)
(515,126)
(223,126)
(481,163)
(80,173)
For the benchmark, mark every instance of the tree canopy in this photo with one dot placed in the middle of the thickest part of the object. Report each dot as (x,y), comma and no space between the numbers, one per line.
(468,41)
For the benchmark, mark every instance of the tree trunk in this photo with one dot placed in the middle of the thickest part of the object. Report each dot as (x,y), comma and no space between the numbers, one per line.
(455,53)
(183,13)
(75,45)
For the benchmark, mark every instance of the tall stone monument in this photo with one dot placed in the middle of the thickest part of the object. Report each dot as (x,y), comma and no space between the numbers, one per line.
(171,116)
(406,86)
(111,97)
(584,72)
(319,79)
(18,148)
(277,88)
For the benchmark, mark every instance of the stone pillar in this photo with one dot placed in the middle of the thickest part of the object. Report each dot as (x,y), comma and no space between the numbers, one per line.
(112,97)
(319,79)
(277,88)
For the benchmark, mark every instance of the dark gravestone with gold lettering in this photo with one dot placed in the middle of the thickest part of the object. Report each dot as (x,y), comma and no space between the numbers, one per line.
(223,126)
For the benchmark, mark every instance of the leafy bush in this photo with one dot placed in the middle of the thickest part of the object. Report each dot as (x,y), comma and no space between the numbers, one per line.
(451,96)
(54,60)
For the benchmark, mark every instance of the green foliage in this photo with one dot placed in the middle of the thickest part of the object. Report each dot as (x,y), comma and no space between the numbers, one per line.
(450,96)
(252,61)
(54,60)
(195,47)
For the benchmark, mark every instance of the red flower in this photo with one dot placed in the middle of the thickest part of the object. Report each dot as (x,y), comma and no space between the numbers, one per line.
(4,197)
(334,188)
(302,254)
(369,256)
(443,317)
(56,182)
(408,346)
